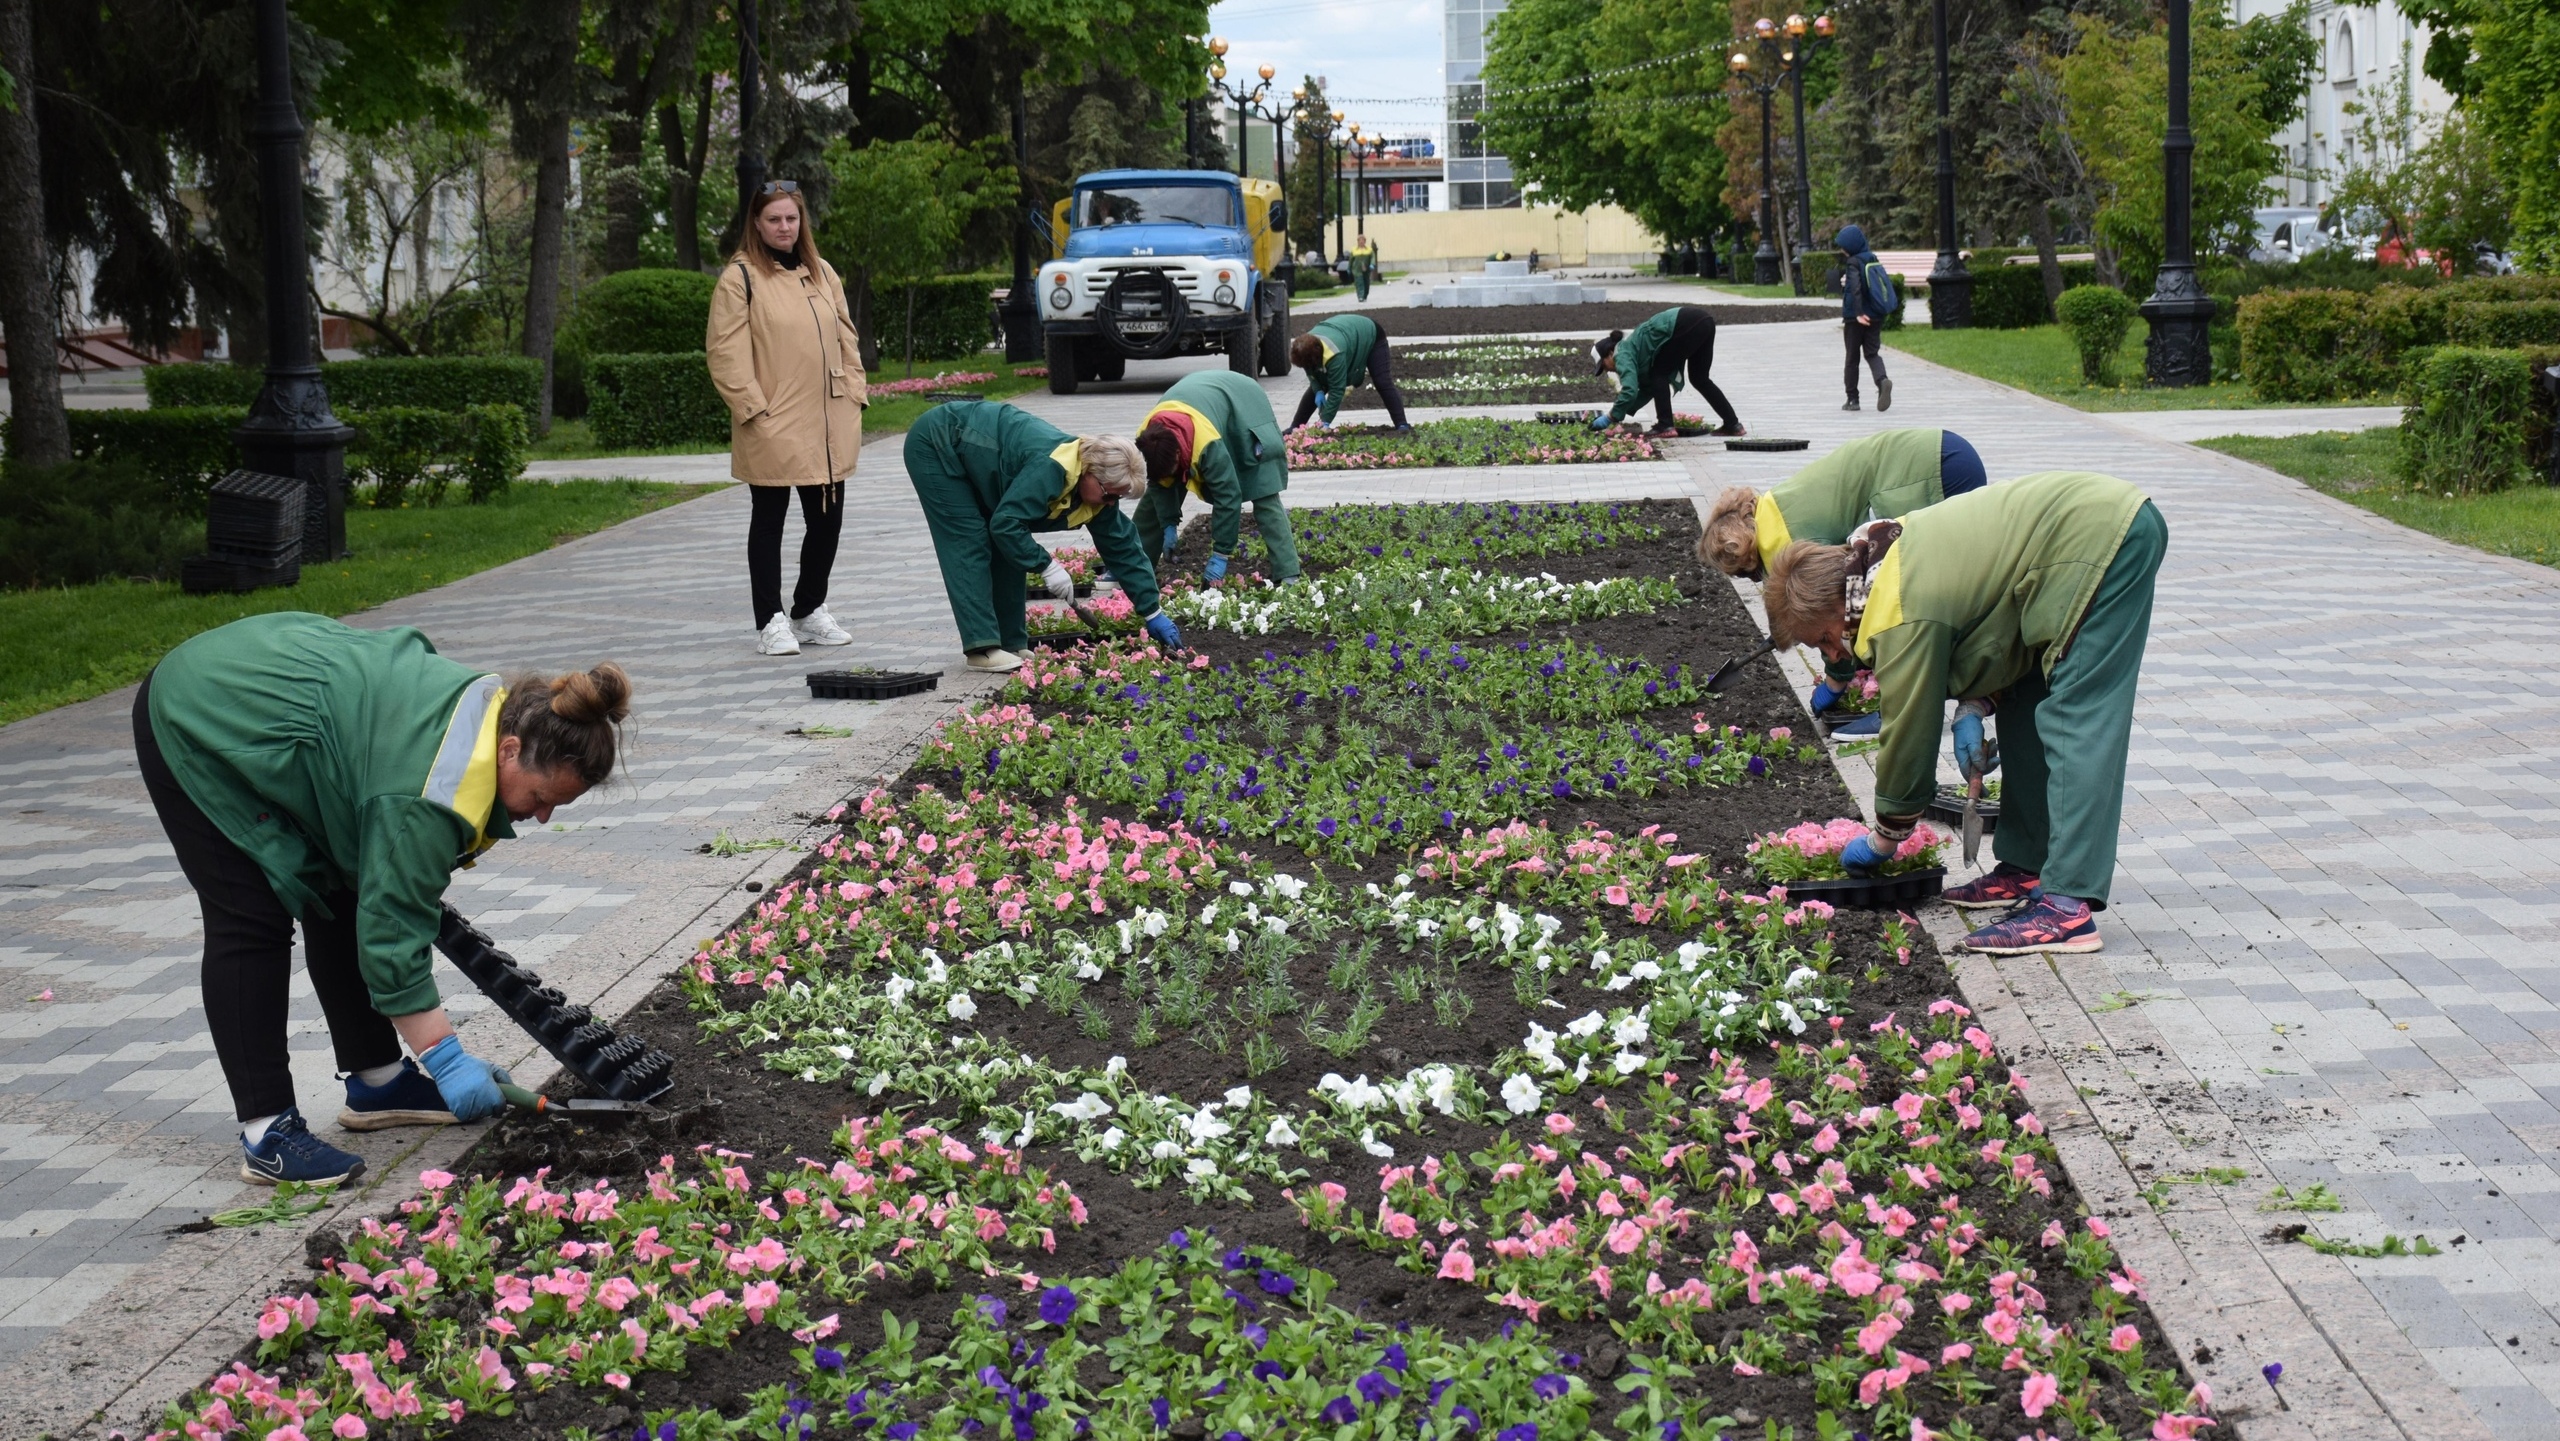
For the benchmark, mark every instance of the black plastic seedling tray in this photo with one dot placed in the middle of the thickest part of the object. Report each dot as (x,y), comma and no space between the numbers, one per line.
(869,685)
(620,1068)
(1948,809)
(1762,442)
(1907,889)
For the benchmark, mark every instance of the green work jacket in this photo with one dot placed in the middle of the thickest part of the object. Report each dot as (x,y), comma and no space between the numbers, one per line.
(1884,476)
(1021,471)
(1347,341)
(1977,590)
(340,759)
(1236,451)
(1635,361)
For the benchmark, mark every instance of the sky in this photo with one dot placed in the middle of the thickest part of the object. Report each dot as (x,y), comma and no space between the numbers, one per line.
(1365,49)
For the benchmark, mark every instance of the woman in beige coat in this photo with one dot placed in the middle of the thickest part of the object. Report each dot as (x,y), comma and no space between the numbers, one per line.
(784,355)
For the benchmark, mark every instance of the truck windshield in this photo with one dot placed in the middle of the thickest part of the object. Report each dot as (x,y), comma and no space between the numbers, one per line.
(1155,204)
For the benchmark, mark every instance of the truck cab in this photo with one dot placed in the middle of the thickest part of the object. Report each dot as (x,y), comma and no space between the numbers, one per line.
(1153,263)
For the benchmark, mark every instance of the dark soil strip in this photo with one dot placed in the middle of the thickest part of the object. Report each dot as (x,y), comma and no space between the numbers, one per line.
(1400,320)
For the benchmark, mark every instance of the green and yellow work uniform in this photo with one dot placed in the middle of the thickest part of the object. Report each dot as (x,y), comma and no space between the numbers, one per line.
(1651,358)
(2034,594)
(1236,456)
(1356,352)
(352,770)
(1364,266)
(991,477)
(1885,476)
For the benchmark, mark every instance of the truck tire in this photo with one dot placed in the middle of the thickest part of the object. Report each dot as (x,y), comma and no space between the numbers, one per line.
(1062,364)
(1242,347)
(1113,366)
(1275,341)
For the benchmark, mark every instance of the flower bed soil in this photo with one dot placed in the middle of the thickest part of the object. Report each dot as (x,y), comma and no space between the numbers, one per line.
(1492,373)
(1402,321)
(1834,1219)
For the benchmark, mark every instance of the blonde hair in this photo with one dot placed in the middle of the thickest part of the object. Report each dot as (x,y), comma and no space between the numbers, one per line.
(1807,589)
(751,244)
(1115,465)
(1730,540)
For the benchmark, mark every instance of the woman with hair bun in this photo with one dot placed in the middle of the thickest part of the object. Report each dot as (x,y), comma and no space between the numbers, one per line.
(305,769)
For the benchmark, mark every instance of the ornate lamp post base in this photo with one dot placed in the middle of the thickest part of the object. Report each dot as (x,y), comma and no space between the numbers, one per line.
(2180,349)
(1764,265)
(1950,294)
(291,432)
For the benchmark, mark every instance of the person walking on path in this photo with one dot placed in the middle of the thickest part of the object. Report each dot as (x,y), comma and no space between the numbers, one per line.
(1337,353)
(1885,476)
(1649,363)
(1866,298)
(2030,600)
(304,768)
(1214,435)
(1364,265)
(990,478)
(783,353)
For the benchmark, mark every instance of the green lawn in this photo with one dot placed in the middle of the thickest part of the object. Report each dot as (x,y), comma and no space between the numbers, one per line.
(887,415)
(2357,468)
(1756,292)
(2042,361)
(64,645)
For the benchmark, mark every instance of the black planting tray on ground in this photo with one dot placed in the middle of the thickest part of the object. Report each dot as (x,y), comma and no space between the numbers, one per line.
(1908,889)
(621,1068)
(1762,442)
(869,685)
(1948,809)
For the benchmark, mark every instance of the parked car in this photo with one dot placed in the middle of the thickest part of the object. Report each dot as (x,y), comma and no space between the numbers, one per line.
(2286,233)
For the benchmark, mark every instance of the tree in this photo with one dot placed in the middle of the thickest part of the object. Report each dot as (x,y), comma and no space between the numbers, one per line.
(525,53)
(649,48)
(394,187)
(899,210)
(1591,111)
(29,295)
(1311,173)
(2036,151)
(2501,60)
(2463,207)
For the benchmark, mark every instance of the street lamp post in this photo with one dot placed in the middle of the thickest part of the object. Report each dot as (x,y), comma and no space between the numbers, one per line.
(1797,58)
(2180,349)
(1950,284)
(750,159)
(1242,98)
(1765,268)
(291,430)
(1333,195)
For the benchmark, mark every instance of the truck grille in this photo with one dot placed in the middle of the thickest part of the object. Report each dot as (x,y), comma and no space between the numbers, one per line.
(1098,281)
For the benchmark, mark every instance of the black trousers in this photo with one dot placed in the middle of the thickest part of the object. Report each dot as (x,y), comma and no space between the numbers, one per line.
(248,951)
(1382,368)
(1693,344)
(1867,338)
(822,518)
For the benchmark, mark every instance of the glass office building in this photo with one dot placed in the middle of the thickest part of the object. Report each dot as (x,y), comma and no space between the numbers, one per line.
(1476,180)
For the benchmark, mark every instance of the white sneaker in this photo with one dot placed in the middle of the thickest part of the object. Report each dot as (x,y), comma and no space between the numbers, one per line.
(777,638)
(820,628)
(994,660)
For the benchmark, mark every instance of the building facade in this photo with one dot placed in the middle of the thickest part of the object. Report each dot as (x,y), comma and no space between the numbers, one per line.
(2366,53)
(1476,179)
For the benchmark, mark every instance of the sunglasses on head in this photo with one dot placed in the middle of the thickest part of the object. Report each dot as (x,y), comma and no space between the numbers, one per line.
(779,187)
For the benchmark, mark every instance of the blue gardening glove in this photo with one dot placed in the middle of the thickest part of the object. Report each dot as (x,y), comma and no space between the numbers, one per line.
(1167,634)
(468,1084)
(1861,857)
(1968,732)
(1599,420)
(1217,568)
(1170,532)
(1825,696)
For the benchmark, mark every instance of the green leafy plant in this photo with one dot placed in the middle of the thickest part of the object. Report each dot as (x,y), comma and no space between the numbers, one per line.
(2098,317)
(2315,1197)
(2464,430)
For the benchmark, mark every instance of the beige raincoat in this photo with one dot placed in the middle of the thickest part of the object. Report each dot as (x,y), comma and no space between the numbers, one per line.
(784,355)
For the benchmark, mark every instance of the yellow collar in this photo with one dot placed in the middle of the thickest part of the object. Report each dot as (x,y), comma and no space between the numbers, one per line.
(464,777)
(1203,435)
(1769,527)
(1070,458)
(1884,604)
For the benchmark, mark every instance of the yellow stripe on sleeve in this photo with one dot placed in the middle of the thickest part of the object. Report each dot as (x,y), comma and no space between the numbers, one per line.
(1884,604)
(1769,527)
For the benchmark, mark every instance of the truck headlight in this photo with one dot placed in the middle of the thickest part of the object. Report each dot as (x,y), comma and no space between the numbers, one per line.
(1224,295)
(1059,299)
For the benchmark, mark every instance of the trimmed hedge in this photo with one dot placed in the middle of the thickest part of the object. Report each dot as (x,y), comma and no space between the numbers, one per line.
(2325,344)
(2008,297)
(638,401)
(955,319)
(643,312)
(426,382)
(2464,428)
(188,448)
(2508,326)
(2098,318)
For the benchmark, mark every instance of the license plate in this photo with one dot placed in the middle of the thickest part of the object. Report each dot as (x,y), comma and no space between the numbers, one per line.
(1143,327)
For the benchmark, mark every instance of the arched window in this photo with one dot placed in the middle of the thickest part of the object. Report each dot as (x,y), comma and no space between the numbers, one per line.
(2342,52)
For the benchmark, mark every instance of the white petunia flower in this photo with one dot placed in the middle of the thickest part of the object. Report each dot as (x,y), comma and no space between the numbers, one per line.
(843,1053)
(1200,1168)
(1239,888)
(1240,1097)
(1631,1030)
(937,974)
(1370,1143)
(1645,971)
(1204,1125)
(960,1007)
(1089,971)
(1521,1095)
(1087,1107)
(1165,1150)
(1115,1065)
(896,989)
(1281,1133)
(879,1083)
(1587,1024)
(1628,1063)
(1112,1138)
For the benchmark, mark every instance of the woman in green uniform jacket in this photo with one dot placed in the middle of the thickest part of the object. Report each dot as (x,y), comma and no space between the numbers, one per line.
(1215,436)
(1649,364)
(1337,353)
(1883,476)
(303,768)
(991,477)
(2031,600)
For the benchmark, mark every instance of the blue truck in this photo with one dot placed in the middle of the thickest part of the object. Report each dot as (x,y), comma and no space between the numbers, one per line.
(1154,263)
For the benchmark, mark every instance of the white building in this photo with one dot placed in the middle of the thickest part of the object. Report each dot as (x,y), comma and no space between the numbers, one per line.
(1476,180)
(2364,51)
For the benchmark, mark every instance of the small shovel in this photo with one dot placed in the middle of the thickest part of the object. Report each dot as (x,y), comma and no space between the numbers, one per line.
(1729,672)
(576,1106)
(1973,802)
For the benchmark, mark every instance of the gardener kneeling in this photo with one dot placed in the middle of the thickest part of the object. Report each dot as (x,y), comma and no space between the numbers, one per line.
(306,770)
(2031,599)
(1214,434)
(990,478)
(1883,476)
(1649,363)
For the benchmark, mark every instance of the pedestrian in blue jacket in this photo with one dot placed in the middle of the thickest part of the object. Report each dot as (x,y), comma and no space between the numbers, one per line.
(1866,298)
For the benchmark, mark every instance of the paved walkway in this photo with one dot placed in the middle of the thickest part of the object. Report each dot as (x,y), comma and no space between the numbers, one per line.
(2340,901)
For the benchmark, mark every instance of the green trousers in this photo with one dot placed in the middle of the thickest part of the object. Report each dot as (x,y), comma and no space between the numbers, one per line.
(985,589)
(2063,737)
(1163,507)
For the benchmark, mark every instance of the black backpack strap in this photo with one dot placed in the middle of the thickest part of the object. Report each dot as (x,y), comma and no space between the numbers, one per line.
(746,278)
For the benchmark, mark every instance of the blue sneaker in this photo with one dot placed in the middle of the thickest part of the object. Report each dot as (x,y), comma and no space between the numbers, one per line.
(289,1152)
(407,1099)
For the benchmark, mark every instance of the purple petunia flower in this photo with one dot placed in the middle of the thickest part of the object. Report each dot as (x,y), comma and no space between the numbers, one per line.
(1058,1305)
(992,1307)
(1759,766)
(1394,1358)
(1164,1412)
(1671,1429)
(1339,1412)
(1277,1283)
(1255,1336)
(1325,828)
(1236,1259)
(1179,1240)
(1269,1370)
(1472,1421)
(903,1430)
(1562,788)
(827,1358)
(1549,1386)
(1525,1431)
(1439,1388)
(1376,1389)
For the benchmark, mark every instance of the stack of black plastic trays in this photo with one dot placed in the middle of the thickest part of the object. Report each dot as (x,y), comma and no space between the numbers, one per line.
(253,533)
(622,1068)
